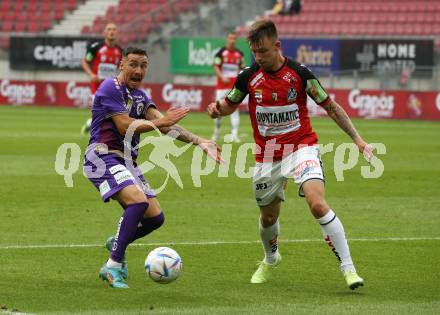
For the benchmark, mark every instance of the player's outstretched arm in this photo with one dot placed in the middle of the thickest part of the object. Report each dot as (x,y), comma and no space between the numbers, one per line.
(182,134)
(221,108)
(173,115)
(338,114)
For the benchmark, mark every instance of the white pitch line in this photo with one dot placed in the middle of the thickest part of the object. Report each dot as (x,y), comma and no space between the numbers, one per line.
(13,312)
(202,243)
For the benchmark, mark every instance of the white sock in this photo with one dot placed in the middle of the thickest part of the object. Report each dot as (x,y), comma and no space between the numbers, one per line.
(113,264)
(334,236)
(217,126)
(269,238)
(235,123)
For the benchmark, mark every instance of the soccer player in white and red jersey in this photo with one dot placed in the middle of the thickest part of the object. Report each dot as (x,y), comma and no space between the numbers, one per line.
(101,62)
(227,64)
(287,146)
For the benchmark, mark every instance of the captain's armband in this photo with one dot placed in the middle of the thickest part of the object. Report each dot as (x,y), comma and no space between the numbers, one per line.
(235,95)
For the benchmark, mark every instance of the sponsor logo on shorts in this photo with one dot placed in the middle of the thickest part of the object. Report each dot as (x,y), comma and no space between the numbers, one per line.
(117,168)
(307,167)
(104,188)
(261,186)
(123,176)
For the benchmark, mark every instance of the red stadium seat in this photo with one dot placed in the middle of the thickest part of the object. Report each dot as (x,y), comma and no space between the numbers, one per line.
(59,15)
(134,10)
(144,27)
(417,29)
(71,5)
(363,17)
(381,29)
(46,24)
(45,6)
(22,18)
(32,15)
(9,17)
(97,28)
(4,42)
(18,5)
(86,29)
(430,17)
(7,26)
(111,11)
(32,6)
(33,27)
(283,29)
(5,5)
(58,6)
(20,27)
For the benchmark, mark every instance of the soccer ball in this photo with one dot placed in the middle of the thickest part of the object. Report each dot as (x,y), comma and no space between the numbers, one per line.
(163,265)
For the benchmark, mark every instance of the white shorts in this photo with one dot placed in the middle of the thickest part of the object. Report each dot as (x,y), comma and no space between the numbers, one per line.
(91,100)
(270,179)
(221,94)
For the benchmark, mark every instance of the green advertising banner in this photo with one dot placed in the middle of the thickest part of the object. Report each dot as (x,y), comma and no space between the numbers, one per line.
(195,55)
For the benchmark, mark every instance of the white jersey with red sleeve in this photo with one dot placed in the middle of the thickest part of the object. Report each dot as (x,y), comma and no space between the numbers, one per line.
(278,107)
(104,61)
(230,62)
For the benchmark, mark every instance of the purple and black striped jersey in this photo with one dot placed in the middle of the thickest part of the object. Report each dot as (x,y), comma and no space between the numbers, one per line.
(113,98)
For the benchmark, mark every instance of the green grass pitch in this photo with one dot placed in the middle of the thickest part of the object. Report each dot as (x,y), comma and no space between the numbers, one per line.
(393,226)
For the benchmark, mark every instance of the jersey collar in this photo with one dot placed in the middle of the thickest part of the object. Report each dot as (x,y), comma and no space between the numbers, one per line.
(279,69)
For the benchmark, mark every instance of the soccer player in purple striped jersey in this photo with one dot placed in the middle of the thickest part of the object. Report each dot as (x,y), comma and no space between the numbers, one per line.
(120,106)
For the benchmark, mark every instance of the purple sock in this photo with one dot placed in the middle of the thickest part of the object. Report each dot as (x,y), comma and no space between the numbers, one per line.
(127,229)
(149,225)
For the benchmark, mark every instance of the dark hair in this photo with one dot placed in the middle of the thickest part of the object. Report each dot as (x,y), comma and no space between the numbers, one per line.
(261,29)
(134,50)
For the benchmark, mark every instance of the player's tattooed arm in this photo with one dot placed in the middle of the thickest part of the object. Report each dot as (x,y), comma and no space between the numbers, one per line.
(178,132)
(183,134)
(338,114)
(175,131)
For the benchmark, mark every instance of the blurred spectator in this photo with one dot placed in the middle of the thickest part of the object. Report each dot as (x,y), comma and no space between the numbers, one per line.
(291,6)
(405,75)
(277,8)
(286,7)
